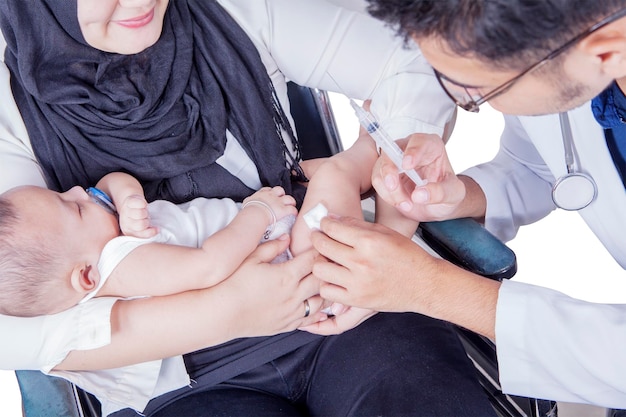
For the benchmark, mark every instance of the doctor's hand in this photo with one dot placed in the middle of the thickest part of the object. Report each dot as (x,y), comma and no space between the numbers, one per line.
(372,267)
(376,268)
(443,192)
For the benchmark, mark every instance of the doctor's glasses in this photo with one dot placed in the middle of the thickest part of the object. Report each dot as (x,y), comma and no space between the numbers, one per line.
(468,98)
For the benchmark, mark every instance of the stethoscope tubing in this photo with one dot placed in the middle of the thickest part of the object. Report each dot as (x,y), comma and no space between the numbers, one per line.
(575,190)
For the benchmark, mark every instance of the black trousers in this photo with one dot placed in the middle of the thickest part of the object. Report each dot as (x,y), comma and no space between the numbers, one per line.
(391,365)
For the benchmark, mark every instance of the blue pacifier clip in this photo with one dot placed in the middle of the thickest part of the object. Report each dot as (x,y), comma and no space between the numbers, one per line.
(102,199)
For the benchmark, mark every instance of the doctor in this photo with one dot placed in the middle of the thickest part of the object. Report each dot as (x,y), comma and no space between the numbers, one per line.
(526,58)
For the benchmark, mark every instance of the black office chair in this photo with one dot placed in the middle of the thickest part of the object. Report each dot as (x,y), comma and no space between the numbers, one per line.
(462,241)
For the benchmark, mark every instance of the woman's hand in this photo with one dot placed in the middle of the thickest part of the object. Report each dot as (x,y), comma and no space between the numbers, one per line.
(443,193)
(269,298)
(348,319)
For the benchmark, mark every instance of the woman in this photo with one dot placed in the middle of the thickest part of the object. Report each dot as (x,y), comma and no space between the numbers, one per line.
(178,94)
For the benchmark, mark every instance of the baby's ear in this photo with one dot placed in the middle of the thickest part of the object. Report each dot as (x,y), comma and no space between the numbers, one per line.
(85,278)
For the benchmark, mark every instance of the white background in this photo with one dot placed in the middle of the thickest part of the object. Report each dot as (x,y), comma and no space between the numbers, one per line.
(558,252)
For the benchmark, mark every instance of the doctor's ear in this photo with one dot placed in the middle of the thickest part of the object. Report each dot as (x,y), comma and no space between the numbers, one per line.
(608,46)
(84,278)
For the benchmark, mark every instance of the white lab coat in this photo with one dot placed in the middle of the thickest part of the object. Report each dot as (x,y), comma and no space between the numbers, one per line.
(551,345)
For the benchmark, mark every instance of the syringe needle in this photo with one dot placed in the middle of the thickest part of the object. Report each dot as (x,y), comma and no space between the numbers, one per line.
(382,139)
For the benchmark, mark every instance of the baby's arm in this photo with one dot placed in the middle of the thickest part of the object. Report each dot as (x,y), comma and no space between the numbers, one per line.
(228,248)
(132,207)
(338,184)
(161,269)
(389,216)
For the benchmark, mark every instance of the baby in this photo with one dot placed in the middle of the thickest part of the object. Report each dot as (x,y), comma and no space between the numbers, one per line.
(60,249)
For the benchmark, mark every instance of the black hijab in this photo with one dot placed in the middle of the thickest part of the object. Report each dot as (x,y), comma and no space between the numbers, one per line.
(160,115)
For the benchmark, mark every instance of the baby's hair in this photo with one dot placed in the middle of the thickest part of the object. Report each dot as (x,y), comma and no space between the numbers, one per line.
(27,268)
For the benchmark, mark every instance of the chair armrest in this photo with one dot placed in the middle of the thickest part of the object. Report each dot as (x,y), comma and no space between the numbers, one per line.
(469,245)
(46,396)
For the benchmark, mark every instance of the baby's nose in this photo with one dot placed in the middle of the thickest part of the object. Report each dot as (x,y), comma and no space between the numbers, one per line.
(78,193)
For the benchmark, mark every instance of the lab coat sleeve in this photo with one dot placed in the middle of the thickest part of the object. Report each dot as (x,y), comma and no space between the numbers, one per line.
(517,183)
(336,46)
(556,347)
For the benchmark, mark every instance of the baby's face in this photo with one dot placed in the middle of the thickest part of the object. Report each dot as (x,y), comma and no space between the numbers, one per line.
(121,26)
(69,221)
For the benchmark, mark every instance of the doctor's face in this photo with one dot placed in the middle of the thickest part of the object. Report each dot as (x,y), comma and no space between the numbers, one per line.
(554,87)
(121,26)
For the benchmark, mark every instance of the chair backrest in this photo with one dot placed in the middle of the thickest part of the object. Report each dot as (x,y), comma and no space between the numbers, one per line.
(315,122)
(47,396)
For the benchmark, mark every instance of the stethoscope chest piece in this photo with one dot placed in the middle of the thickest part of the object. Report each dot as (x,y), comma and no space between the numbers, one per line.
(574,190)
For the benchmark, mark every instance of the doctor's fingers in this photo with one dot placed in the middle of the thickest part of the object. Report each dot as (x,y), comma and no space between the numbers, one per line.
(437,200)
(341,233)
(333,279)
(351,243)
(450,190)
(360,287)
(387,182)
(422,150)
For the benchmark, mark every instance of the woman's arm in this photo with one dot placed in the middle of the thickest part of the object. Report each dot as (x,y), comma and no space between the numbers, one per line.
(159,327)
(321,44)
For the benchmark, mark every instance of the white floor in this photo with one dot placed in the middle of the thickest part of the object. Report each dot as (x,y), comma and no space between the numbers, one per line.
(10,403)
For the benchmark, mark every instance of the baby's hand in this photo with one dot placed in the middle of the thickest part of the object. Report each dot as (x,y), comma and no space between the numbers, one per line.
(280,203)
(134,218)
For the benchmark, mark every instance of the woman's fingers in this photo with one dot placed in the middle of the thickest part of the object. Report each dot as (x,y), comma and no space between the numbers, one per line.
(315,314)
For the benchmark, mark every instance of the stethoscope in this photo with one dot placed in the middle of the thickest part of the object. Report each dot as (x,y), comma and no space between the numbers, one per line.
(574,190)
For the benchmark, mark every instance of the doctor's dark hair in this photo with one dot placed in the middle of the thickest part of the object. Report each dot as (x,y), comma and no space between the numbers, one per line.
(26,268)
(508,34)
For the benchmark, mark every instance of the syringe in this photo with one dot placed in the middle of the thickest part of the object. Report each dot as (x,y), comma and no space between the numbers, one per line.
(384,142)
